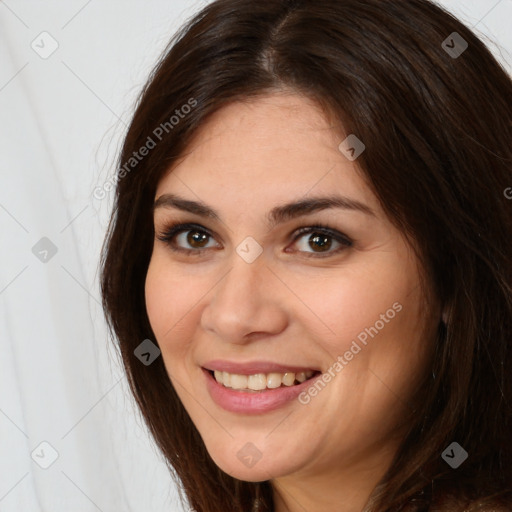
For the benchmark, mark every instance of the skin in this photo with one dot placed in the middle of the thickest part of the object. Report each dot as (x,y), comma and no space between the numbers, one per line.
(288,308)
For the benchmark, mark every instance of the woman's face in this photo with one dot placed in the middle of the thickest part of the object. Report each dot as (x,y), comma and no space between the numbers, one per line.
(253,291)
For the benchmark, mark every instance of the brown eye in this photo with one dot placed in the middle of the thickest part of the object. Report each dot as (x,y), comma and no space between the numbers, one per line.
(193,239)
(186,238)
(197,238)
(321,240)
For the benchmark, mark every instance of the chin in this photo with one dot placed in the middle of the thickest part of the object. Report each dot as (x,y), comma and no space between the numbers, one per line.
(249,465)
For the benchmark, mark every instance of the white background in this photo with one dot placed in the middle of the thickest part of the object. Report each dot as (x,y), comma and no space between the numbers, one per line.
(61,123)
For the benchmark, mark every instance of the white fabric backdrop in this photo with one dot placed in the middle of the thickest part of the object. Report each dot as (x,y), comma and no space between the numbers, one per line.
(61,119)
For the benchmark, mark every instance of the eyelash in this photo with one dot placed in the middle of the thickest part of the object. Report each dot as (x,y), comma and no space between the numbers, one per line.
(175,229)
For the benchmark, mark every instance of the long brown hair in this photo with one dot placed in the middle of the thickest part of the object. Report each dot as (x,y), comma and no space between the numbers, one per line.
(437,126)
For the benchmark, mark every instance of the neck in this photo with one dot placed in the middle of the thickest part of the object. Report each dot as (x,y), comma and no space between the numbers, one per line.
(340,489)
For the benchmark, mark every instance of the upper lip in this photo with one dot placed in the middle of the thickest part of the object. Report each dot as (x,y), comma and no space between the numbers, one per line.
(253,367)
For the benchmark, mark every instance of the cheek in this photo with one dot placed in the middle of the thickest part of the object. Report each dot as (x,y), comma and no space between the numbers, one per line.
(375,321)
(347,304)
(170,299)
(380,333)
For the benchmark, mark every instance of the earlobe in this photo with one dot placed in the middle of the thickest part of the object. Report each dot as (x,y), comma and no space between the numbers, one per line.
(444,316)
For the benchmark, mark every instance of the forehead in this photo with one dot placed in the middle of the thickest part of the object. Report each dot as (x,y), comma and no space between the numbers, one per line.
(278,146)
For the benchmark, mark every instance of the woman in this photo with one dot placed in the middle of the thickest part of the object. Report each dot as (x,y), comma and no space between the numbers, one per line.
(312,225)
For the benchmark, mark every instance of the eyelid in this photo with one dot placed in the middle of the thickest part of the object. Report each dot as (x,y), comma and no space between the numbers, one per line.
(324,229)
(171,230)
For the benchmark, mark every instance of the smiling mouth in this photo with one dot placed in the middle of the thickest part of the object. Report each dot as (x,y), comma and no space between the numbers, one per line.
(260,382)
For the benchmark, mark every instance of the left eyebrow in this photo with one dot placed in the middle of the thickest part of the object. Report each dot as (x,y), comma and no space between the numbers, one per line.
(277,215)
(307,206)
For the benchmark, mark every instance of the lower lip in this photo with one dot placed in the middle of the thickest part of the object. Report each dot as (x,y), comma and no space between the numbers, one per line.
(255,403)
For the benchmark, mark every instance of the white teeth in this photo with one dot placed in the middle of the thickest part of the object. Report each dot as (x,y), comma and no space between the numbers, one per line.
(226,378)
(260,381)
(256,382)
(288,379)
(274,380)
(238,381)
(301,377)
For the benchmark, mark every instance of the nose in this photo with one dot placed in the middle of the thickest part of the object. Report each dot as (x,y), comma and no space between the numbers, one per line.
(244,302)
